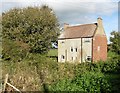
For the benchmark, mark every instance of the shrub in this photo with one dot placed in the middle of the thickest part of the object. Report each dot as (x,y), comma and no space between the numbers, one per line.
(87,82)
(112,65)
(14,51)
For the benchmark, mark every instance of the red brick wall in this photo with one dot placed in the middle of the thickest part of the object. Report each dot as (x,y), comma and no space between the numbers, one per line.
(99,48)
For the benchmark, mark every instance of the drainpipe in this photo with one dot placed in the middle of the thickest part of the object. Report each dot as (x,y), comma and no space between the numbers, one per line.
(81,50)
(92,51)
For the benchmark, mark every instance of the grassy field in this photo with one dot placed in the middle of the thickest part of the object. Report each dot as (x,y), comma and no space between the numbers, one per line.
(53,52)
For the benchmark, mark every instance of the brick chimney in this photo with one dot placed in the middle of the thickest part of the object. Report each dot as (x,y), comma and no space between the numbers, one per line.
(66,26)
(100,26)
(99,21)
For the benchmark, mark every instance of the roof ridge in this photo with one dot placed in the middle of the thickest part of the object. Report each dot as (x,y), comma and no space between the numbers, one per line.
(81,25)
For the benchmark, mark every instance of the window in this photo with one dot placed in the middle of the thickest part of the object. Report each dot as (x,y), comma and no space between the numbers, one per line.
(88,58)
(76,58)
(71,58)
(71,49)
(62,42)
(76,49)
(87,40)
(62,57)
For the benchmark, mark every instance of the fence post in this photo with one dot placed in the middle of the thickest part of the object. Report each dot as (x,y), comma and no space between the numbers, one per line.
(5,82)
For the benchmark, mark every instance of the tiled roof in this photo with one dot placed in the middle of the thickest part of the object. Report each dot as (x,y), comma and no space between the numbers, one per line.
(86,30)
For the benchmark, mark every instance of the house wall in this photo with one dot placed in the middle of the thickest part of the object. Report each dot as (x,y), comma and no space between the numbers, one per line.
(75,45)
(86,49)
(65,49)
(99,48)
(73,55)
(99,43)
(61,50)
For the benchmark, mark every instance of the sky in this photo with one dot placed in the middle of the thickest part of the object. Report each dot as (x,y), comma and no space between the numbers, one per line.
(75,12)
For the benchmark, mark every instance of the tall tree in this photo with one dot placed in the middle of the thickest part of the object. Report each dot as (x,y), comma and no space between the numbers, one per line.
(115,42)
(35,26)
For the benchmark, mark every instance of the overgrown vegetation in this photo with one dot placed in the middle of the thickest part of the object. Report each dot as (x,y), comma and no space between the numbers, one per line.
(35,71)
(115,42)
(87,82)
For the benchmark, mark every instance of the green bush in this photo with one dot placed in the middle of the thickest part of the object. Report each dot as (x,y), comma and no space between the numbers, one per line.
(111,66)
(13,50)
(87,82)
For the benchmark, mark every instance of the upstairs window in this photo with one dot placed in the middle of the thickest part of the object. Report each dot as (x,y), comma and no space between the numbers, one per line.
(62,42)
(71,49)
(76,49)
(87,40)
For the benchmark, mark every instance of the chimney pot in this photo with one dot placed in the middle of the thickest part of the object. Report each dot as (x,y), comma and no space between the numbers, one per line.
(99,18)
(66,26)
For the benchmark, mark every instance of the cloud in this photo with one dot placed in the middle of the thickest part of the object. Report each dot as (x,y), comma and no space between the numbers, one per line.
(82,12)
(78,11)
(68,9)
(74,11)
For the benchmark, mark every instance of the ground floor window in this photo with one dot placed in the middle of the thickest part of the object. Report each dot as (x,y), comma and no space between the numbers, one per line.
(72,58)
(62,57)
(88,58)
(76,58)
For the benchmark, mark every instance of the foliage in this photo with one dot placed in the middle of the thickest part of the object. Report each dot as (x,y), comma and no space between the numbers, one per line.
(87,82)
(112,66)
(115,42)
(32,30)
(36,26)
(21,75)
(14,51)
(38,72)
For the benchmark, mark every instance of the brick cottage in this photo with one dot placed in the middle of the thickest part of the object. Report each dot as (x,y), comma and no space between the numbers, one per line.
(83,43)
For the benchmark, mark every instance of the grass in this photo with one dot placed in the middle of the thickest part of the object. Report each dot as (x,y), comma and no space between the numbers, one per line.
(53,52)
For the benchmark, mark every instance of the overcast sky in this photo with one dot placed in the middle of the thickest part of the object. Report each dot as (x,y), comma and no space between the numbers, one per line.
(75,11)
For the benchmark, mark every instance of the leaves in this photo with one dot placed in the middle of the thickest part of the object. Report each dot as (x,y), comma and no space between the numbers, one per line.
(87,82)
(36,26)
(115,42)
